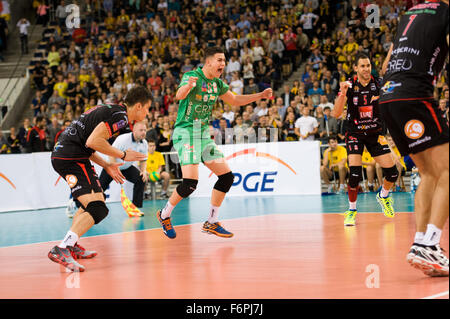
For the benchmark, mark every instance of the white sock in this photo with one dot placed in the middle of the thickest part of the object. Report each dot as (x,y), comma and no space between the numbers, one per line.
(342,186)
(213,214)
(70,240)
(432,236)
(384,192)
(167,210)
(418,238)
(352,205)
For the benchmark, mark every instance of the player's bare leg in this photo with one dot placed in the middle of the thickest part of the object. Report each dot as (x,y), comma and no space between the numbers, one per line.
(212,226)
(431,211)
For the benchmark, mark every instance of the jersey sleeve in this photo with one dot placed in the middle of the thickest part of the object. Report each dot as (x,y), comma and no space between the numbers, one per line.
(185,79)
(223,87)
(117,122)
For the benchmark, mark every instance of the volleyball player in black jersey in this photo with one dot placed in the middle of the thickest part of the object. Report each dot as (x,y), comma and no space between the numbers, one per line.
(365,128)
(413,64)
(71,159)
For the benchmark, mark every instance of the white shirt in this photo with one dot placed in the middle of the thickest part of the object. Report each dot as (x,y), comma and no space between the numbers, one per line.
(229,116)
(233,66)
(307,20)
(237,86)
(23,27)
(126,141)
(306,124)
(6,9)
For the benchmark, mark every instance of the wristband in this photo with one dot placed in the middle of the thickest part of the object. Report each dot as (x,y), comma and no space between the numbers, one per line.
(123,157)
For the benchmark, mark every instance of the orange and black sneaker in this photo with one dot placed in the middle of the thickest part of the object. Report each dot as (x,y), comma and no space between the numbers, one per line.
(65,257)
(166,225)
(216,229)
(80,253)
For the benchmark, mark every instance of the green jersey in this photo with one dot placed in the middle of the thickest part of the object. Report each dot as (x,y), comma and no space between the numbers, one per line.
(198,104)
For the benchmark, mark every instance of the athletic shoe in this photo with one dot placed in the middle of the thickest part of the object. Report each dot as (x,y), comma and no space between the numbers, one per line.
(71,208)
(216,229)
(128,206)
(350,217)
(166,225)
(80,253)
(65,257)
(386,205)
(164,196)
(429,259)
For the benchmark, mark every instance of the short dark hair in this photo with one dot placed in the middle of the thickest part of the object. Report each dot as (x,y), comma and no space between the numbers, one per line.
(138,94)
(359,56)
(211,51)
(332,137)
(152,141)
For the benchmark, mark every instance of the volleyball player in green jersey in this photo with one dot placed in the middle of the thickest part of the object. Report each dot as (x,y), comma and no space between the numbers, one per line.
(198,92)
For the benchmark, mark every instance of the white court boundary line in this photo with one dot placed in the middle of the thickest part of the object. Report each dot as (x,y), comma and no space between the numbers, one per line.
(437,295)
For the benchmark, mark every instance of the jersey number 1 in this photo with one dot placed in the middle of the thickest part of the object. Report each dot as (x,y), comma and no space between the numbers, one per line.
(411,19)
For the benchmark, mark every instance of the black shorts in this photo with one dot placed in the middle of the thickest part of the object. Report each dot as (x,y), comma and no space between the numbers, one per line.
(80,175)
(355,144)
(415,125)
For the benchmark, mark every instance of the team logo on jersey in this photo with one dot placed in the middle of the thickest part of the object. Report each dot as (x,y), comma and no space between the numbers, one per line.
(71,180)
(356,89)
(373,87)
(205,98)
(414,129)
(215,87)
(204,89)
(198,97)
(121,124)
(389,86)
(374,98)
(355,100)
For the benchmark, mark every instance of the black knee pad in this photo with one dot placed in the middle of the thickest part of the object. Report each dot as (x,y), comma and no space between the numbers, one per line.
(187,187)
(224,182)
(355,176)
(98,210)
(390,174)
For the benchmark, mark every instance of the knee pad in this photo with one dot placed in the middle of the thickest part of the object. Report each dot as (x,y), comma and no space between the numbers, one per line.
(390,174)
(224,182)
(355,176)
(98,210)
(187,187)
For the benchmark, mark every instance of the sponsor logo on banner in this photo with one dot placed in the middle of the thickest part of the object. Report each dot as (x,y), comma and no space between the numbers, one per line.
(414,129)
(71,180)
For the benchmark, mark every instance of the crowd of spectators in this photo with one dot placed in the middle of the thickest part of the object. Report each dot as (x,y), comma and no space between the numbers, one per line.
(124,43)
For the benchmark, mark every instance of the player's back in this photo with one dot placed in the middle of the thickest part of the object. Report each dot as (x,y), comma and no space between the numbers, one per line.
(419,52)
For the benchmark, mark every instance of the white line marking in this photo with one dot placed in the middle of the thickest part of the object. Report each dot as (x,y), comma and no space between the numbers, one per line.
(437,295)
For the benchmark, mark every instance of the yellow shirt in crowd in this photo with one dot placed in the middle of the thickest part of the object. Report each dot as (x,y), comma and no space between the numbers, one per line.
(154,161)
(366,157)
(336,156)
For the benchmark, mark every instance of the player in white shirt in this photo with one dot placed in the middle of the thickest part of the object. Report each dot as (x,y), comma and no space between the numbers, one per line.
(306,126)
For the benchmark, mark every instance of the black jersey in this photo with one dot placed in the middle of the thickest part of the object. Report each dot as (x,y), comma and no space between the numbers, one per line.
(363,115)
(419,53)
(72,141)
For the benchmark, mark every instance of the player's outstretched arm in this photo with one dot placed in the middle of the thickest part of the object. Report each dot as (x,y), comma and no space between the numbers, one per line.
(98,141)
(239,100)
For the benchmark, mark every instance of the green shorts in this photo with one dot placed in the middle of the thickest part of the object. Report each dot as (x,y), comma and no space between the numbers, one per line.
(194,149)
